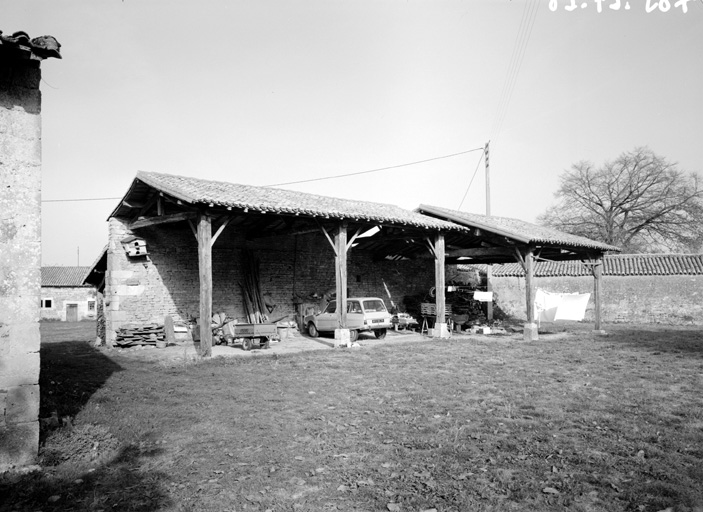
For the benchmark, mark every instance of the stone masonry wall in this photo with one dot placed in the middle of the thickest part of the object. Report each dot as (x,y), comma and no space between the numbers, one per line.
(676,300)
(20,261)
(144,290)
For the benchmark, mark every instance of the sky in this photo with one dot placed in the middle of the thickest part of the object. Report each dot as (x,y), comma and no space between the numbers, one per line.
(264,92)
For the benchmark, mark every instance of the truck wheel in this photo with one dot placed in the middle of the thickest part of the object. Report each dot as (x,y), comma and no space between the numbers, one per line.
(312,330)
(246,344)
(353,335)
(380,333)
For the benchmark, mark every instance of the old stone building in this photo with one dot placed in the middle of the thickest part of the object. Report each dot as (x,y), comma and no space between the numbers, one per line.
(65,296)
(20,278)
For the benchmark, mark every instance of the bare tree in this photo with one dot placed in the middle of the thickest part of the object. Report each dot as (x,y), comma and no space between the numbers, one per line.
(639,202)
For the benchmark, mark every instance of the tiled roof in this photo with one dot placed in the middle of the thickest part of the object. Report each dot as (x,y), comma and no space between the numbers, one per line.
(63,276)
(516,229)
(274,200)
(21,45)
(613,265)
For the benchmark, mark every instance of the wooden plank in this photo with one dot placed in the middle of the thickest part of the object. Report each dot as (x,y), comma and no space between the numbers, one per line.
(205,273)
(164,219)
(439,278)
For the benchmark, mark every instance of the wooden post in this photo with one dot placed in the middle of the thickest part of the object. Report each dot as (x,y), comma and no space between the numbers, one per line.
(340,244)
(530,332)
(597,282)
(205,271)
(489,288)
(529,285)
(440,321)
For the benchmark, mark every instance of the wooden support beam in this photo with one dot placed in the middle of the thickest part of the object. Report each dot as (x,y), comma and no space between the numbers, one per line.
(220,229)
(439,279)
(193,228)
(329,239)
(340,242)
(164,219)
(353,238)
(431,248)
(597,290)
(529,284)
(205,272)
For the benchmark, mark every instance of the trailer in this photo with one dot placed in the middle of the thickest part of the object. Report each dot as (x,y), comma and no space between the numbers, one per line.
(247,334)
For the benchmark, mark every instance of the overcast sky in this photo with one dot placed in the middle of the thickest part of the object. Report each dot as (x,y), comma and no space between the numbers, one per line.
(263,92)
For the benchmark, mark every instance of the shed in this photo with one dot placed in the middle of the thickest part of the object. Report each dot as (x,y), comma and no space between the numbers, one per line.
(184,247)
(505,240)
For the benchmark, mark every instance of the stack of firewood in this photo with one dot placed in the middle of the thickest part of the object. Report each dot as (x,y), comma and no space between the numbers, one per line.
(132,335)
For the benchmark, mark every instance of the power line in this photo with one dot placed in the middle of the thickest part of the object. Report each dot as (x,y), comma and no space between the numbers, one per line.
(82,199)
(522,39)
(472,177)
(291,182)
(375,170)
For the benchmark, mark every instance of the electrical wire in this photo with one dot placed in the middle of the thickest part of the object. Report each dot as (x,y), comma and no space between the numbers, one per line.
(374,170)
(292,182)
(472,177)
(522,39)
(83,199)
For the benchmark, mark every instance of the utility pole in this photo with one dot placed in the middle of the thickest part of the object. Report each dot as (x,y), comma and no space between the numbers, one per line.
(488,179)
(489,268)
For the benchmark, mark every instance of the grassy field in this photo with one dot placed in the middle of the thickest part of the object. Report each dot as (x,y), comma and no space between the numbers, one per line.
(573,421)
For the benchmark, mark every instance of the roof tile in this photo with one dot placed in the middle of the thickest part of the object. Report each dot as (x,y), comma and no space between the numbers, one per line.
(613,265)
(63,276)
(274,200)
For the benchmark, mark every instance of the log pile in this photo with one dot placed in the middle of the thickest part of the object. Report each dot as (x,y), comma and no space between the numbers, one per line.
(133,335)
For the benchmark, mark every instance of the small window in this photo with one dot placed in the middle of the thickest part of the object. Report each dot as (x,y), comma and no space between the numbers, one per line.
(47,303)
(91,305)
(374,306)
(331,307)
(354,307)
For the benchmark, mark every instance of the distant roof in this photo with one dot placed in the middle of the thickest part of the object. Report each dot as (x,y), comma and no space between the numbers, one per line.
(613,265)
(516,229)
(22,46)
(63,276)
(279,201)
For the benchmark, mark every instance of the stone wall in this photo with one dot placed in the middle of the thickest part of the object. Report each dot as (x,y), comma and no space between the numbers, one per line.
(20,250)
(60,296)
(144,289)
(676,300)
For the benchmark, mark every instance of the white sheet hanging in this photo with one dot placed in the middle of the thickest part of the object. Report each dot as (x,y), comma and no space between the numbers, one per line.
(550,307)
(483,296)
